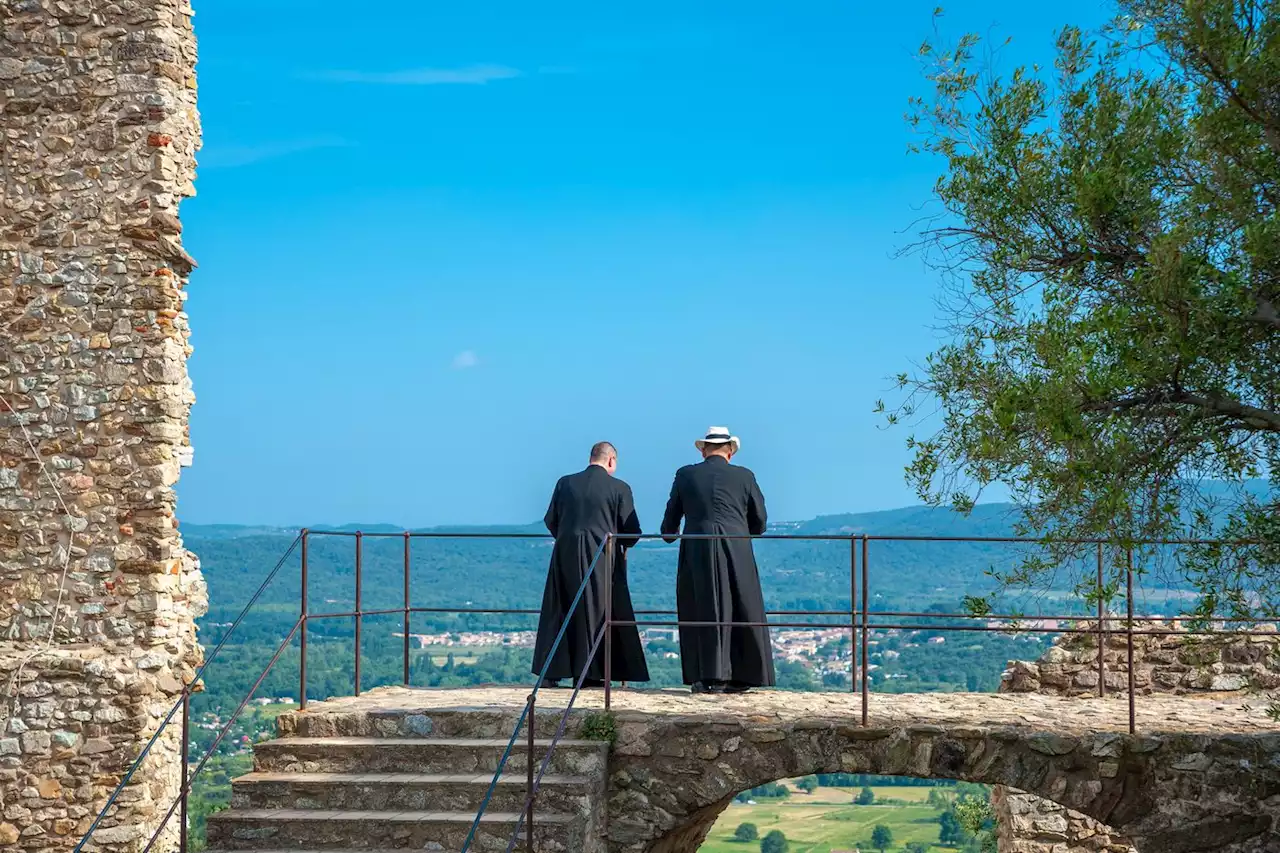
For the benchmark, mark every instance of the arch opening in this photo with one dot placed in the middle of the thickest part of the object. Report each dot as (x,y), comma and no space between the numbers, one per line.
(852,811)
(671,780)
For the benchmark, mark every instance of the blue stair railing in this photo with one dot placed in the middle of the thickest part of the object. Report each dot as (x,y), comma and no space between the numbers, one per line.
(528,715)
(183,704)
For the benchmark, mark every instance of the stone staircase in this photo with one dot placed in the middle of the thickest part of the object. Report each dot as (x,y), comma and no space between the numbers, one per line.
(378,781)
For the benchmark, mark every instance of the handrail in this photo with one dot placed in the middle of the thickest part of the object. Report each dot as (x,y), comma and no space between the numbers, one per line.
(859,619)
(808,537)
(536,782)
(856,622)
(185,698)
(222,733)
(530,704)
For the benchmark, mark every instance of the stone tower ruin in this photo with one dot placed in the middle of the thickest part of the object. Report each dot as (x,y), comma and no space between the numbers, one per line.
(98,136)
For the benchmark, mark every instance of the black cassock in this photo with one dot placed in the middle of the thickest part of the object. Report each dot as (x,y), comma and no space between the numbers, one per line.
(717,579)
(585,508)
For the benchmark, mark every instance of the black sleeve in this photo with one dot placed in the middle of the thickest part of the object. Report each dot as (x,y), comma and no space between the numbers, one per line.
(552,518)
(757,518)
(628,523)
(675,512)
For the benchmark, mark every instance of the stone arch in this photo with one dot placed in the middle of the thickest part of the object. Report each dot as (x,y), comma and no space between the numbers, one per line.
(671,778)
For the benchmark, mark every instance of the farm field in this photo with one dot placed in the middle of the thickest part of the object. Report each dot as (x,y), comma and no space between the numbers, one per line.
(461,654)
(828,820)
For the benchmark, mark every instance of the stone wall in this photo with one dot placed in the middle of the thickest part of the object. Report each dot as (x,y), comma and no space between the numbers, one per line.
(98,134)
(1170,662)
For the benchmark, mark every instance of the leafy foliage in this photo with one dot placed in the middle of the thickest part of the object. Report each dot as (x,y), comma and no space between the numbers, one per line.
(977,818)
(1109,237)
(767,791)
(746,832)
(881,836)
(775,842)
(950,831)
(866,797)
(600,725)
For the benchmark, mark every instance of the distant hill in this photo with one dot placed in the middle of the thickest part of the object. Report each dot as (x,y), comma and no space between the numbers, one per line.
(509,573)
(991,519)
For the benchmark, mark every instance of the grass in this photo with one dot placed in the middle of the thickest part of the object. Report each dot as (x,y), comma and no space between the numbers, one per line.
(828,820)
(461,654)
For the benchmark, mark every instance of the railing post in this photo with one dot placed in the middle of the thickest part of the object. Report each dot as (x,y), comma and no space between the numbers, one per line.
(866,595)
(302,628)
(608,622)
(853,615)
(407,539)
(359,618)
(1102,637)
(528,817)
(186,747)
(1133,723)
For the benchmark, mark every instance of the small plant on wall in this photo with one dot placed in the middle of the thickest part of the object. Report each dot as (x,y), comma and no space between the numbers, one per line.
(600,725)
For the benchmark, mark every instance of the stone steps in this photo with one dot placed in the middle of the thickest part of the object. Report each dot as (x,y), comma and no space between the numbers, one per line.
(330,829)
(489,723)
(405,791)
(379,782)
(422,755)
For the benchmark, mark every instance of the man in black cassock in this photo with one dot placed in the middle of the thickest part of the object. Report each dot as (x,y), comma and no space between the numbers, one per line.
(717,579)
(585,508)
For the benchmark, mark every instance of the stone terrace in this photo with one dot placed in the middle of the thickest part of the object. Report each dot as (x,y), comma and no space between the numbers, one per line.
(1155,714)
(400,768)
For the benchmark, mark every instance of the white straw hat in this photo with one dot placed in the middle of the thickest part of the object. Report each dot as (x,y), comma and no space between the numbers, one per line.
(718,435)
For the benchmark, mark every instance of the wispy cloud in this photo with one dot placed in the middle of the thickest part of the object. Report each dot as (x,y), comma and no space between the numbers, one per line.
(465,360)
(232,156)
(471,75)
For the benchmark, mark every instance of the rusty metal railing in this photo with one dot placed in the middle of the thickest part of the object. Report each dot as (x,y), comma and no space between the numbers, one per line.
(859,619)
(861,624)
(183,705)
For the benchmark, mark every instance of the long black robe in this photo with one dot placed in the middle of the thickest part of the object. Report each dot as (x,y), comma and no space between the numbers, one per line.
(717,579)
(585,508)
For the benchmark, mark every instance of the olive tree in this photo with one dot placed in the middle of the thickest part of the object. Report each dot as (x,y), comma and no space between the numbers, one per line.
(1107,235)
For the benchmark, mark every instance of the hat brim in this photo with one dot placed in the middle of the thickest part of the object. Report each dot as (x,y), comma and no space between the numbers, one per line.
(701,443)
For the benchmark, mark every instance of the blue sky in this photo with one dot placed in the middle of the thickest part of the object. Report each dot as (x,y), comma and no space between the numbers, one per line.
(445,248)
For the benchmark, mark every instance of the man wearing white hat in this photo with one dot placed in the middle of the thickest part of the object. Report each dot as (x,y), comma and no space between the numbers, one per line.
(717,579)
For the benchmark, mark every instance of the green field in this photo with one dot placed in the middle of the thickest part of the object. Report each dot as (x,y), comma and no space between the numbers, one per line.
(828,820)
(461,654)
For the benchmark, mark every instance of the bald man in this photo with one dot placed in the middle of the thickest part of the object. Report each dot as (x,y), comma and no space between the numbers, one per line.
(585,508)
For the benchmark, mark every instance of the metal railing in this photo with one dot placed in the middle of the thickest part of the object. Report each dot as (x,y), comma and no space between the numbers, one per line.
(183,704)
(859,619)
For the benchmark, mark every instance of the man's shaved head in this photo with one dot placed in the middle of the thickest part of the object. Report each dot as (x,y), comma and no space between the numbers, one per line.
(602,450)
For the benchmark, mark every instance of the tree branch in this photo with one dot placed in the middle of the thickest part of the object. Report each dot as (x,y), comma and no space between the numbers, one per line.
(1267,313)
(1251,417)
(1168,404)
(1270,127)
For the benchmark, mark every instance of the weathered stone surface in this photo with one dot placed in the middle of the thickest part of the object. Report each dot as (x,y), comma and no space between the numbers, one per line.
(1170,661)
(94,398)
(664,791)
